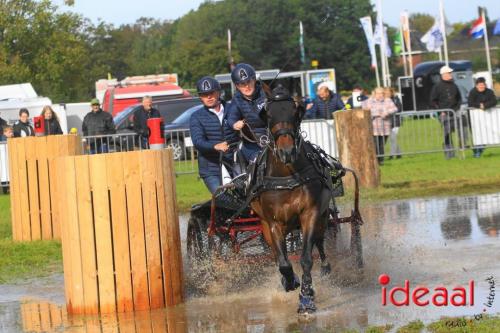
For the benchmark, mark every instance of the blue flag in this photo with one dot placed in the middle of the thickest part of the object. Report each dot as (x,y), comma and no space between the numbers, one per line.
(496,30)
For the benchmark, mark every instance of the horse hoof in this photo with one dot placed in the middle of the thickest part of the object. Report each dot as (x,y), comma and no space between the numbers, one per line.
(306,305)
(290,286)
(325,270)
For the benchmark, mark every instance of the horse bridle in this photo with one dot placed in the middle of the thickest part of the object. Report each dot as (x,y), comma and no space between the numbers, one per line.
(294,131)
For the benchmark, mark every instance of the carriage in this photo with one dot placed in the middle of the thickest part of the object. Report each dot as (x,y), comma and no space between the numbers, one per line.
(214,229)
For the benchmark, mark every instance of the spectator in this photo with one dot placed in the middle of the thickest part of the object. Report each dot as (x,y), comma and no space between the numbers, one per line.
(480,97)
(51,120)
(8,132)
(141,116)
(381,109)
(211,135)
(3,123)
(325,103)
(97,123)
(22,127)
(446,95)
(395,123)
(362,96)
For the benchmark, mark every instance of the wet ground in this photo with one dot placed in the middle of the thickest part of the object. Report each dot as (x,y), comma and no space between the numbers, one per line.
(430,242)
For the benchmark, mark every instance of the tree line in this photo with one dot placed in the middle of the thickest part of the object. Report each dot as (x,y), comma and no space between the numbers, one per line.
(62,53)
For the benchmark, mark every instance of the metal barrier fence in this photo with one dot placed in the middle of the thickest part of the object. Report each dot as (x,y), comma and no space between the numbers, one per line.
(4,166)
(417,132)
(444,130)
(322,133)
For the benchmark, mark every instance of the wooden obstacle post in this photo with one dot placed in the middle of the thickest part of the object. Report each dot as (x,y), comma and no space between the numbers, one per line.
(32,182)
(120,240)
(356,147)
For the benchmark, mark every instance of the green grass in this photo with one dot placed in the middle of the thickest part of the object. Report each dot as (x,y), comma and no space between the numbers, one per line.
(23,260)
(413,327)
(488,324)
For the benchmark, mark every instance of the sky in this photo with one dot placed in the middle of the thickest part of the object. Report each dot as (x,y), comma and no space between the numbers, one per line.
(128,11)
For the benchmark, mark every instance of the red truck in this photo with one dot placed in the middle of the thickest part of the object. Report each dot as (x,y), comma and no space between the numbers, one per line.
(115,95)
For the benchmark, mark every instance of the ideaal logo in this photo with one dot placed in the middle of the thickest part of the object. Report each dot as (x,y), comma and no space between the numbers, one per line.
(423,296)
(439,296)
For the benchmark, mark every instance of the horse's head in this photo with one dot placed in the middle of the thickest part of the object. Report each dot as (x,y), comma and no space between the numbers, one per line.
(283,115)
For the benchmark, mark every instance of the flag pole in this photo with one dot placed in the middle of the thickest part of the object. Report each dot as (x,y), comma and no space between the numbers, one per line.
(382,44)
(443,32)
(301,44)
(230,59)
(403,48)
(486,42)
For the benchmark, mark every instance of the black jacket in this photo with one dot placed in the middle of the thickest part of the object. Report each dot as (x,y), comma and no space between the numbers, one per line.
(141,117)
(445,95)
(52,127)
(23,129)
(396,118)
(486,97)
(98,123)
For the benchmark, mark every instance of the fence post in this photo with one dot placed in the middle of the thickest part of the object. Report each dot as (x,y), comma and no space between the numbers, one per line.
(121,239)
(356,147)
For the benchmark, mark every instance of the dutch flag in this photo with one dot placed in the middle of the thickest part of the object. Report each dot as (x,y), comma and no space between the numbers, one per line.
(477,30)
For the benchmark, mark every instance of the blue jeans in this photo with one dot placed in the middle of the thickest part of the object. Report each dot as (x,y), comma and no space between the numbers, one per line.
(212,182)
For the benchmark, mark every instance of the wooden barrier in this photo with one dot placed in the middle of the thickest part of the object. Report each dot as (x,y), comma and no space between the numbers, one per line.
(32,184)
(356,148)
(41,316)
(120,239)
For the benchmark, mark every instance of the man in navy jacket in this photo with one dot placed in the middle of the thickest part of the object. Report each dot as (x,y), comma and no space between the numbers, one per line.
(325,104)
(211,136)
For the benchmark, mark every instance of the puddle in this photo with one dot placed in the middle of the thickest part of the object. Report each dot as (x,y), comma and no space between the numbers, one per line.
(431,242)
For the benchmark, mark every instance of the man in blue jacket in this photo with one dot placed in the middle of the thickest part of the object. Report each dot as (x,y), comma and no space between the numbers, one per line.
(211,136)
(325,104)
(246,105)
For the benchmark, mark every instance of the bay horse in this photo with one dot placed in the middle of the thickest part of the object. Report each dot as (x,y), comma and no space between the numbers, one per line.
(293,194)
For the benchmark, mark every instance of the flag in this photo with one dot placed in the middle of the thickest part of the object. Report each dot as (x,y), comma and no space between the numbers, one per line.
(397,48)
(377,37)
(496,29)
(405,25)
(301,43)
(477,30)
(433,39)
(366,22)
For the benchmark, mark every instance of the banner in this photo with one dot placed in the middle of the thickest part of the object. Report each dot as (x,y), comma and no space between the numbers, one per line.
(433,39)
(405,25)
(397,48)
(366,22)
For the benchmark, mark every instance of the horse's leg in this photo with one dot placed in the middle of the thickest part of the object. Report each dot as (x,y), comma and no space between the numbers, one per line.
(306,297)
(325,265)
(289,279)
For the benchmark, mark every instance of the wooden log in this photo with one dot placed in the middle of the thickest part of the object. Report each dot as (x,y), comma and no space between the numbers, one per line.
(356,147)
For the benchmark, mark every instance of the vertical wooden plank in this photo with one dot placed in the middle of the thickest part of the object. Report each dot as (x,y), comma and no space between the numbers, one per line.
(166,246)
(23,190)
(151,229)
(159,321)
(44,188)
(126,322)
(143,324)
(46,325)
(173,233)
(35,316)
(176,320)
(116,184)
(34,204)
(72,225)
(52,153)
(86,224)
(58,166)
(24,317)
(104,248)
(55,315)
(15,202)
(93,325)
(131,173)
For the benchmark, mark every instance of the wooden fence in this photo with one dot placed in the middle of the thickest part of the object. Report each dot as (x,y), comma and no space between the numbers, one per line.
(120,236)
(32,184)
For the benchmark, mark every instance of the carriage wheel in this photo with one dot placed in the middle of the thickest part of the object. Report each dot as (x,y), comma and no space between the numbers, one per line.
(356,246)
(199,245)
